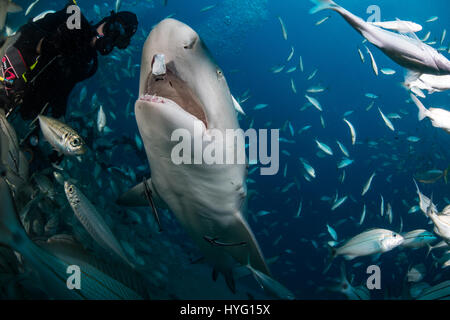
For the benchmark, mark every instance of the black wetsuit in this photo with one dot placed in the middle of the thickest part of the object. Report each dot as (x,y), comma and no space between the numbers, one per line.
(66,58)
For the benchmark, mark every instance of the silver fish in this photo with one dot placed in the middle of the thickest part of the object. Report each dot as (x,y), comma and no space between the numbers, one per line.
(62,137)
(368,243)
(93,221)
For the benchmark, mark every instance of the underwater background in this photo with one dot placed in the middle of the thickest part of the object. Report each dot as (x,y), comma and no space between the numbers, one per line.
(245,38)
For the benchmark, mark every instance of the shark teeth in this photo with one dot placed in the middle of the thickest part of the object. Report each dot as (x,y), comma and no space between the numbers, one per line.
(152,98)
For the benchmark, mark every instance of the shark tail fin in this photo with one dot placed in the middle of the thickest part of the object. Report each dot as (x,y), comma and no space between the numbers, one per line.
(423,112)
(331,256)
(322,5)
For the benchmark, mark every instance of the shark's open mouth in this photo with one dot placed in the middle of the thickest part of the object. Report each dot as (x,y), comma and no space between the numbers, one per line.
(168,85)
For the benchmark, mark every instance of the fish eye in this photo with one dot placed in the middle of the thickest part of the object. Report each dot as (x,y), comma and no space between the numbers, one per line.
(219,73)
(70,189)
(76,142)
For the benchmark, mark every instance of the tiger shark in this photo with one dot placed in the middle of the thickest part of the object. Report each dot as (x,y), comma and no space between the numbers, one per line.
(407,51)
(181,86)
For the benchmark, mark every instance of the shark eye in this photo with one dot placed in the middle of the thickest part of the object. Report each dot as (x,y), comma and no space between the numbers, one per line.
(76,142)
(191,44)
(219,73)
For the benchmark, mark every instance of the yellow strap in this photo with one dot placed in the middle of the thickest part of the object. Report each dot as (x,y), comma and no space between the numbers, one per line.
(34,64)
(24,78)
(74,2)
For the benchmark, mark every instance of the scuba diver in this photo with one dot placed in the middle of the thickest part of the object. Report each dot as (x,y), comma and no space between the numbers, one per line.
(46,60)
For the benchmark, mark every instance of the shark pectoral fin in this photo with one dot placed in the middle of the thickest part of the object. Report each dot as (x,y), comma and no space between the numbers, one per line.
(135,197)
(411,76)
(13,7)
(410,33)
(229,278)
(241,233)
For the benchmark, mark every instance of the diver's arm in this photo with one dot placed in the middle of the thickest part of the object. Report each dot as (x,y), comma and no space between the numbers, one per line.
(58,38)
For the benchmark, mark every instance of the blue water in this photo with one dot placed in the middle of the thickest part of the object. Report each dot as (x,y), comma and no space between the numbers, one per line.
(246,40)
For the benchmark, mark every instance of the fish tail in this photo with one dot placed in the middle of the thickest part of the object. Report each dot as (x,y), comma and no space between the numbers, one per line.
(418,92)
(331,256)
(446,174)
(423,112)
(430,248)
(322,5)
